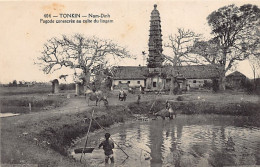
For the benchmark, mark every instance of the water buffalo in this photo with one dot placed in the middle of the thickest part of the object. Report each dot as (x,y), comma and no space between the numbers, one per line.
(96,96)
(166,113)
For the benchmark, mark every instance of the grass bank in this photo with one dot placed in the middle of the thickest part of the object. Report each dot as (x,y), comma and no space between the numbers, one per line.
(242,108)
(20,104)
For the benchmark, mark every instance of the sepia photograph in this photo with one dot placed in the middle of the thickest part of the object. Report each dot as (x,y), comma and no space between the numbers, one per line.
(173,83)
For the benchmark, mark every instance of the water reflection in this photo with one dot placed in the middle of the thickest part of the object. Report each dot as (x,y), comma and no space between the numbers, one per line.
(185,141)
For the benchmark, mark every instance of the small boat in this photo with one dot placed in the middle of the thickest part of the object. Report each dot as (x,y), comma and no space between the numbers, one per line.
(86,150)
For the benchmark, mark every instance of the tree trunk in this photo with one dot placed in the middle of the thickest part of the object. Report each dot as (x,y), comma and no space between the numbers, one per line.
(222,81)
(222,77)
(86,81)
(254,73)
(172,86)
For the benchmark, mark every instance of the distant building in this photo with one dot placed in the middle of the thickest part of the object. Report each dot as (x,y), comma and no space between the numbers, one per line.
(129,76)
(235,79)
(194,76)
(197,76)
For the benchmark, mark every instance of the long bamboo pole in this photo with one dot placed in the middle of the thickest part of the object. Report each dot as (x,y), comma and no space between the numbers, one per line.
(112,139)
(87,134)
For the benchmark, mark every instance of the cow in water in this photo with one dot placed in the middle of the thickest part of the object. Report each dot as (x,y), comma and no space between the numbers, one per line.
(96,96)
(167,112)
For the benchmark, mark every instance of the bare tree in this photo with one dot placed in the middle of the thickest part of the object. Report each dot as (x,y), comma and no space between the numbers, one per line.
(79,53)
(235,32)
(255,66)
(180,45)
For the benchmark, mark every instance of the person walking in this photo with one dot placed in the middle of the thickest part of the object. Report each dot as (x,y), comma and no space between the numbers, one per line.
(108,146)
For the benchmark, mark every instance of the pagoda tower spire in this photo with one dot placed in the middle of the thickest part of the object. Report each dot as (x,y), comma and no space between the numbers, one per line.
(155,59)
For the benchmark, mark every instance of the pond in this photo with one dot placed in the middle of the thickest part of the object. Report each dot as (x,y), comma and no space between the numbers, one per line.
(188,140)
(3,115)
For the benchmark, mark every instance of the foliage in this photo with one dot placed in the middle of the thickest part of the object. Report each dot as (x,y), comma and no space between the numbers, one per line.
(180,98)
(103,80)
(248,86)
(14,83)
(215,85)
(236,37)
(70,86)
(207,84)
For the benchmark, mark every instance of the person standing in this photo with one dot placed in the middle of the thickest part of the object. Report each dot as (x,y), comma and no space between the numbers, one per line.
(138,99)
(170,110)
(108,146)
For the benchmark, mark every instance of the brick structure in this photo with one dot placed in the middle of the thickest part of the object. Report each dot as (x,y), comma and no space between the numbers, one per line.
(155,59)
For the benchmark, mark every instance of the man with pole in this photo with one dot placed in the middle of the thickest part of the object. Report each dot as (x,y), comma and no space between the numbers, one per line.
(108,146)
(112,139)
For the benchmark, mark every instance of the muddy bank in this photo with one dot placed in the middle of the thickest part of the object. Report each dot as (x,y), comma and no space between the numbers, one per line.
(62,136)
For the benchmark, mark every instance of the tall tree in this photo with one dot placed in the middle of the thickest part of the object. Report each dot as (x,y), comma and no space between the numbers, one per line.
(83,55)
(180,45)
(255,66)
(235,32)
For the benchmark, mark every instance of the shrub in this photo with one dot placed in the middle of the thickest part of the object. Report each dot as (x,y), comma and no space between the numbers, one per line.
(215,85)
(70,86)
(180,98)
(207,85)
(248,86)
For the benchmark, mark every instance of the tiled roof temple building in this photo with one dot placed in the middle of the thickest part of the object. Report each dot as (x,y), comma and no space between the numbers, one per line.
(155,76)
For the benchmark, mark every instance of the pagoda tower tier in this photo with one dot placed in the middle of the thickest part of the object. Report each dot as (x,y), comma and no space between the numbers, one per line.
(155,58)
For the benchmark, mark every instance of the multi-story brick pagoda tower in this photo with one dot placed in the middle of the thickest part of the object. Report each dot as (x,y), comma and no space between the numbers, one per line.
(155,40)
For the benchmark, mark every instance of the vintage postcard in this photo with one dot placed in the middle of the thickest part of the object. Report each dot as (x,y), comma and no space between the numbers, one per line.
(130,83)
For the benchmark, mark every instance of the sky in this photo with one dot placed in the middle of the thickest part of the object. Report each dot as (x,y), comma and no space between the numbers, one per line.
(23,35)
